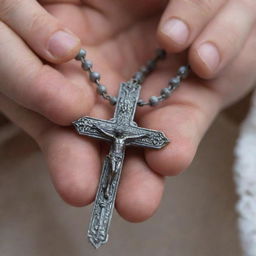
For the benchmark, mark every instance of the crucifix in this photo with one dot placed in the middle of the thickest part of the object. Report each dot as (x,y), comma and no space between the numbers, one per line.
(121,131)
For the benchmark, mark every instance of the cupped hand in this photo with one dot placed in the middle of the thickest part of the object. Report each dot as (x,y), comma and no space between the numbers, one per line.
(43,96)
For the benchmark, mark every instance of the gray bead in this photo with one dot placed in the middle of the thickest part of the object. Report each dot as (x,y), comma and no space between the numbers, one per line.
(139,77)
(153,100)
(86,65)
(101,89)
(161,53)
(144,70)
(166,92)
(94,76)
(81,54)
(141,103)
(175,82)
(112,100)
(183,72)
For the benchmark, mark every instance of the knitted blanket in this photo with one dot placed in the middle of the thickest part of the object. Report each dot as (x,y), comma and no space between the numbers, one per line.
(245,178)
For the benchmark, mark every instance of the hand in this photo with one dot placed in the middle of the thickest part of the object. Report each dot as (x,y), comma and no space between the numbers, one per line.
(216,31)
(119,38)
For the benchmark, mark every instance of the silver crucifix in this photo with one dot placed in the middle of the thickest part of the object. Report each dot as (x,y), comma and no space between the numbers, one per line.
(121,131)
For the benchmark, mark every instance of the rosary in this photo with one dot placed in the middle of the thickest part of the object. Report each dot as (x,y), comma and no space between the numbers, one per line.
(121,131)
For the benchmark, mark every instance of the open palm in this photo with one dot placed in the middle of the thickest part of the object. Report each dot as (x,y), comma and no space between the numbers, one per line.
(119,37)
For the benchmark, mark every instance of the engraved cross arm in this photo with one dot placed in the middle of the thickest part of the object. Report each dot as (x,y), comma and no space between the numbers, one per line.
(90,127)
(148,138)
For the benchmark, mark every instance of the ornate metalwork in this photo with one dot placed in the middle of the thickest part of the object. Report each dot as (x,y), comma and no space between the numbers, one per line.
(122,131)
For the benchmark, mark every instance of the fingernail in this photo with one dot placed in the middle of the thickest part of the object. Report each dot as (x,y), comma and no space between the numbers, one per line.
(61,43)
(177,30)
(210,55)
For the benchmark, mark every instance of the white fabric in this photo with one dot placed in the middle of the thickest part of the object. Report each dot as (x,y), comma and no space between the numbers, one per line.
(245,177)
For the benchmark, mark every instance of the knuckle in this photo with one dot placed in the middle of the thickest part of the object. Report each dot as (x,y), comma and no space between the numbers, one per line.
(41,92)
(38,20)
(250,4)
(205,6)
(48,96)
(8,6)
(2,29)
(232,38)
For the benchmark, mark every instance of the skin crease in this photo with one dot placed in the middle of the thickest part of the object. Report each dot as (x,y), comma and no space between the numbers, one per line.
(119,38)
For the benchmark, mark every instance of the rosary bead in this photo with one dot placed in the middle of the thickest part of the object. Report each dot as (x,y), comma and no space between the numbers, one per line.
(94,76)
(161,53)
(153,100)
(175,82)
(81,54)
(112,100)
(140,103)
(144,70)
(183,72)
(101,89)
(139,77)
(165,92)
(86,65)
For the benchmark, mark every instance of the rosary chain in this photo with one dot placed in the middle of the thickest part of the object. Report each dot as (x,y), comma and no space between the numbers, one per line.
(139,76)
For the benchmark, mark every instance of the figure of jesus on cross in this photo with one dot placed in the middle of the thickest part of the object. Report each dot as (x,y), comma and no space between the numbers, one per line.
(121,131)
(115,156)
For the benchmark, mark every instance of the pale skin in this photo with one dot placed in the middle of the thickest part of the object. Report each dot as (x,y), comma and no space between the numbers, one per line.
(44,98)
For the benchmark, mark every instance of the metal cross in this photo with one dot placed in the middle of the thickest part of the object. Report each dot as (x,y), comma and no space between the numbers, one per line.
(122,131)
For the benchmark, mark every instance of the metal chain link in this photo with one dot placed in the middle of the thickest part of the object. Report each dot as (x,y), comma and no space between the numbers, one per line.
(139,76)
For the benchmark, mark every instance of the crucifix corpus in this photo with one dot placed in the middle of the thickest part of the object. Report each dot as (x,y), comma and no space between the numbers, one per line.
(120,131)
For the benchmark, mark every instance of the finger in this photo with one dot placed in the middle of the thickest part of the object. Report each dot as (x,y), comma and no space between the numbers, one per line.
(60,1)
(39,87)
(41,31)
(184,119)
(183,20)
(140,190)
(186,116)
(223,38)
(74,166)
(73,162)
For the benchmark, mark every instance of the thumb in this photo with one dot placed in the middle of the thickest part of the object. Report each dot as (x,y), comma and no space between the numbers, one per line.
(40,30)
(184,20)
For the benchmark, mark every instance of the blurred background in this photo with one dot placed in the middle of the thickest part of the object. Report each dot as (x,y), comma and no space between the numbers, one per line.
(196,216)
